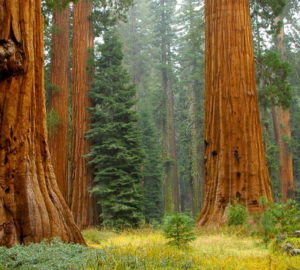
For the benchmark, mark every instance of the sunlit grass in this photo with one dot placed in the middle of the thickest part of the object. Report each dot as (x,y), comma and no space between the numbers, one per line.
(147,249)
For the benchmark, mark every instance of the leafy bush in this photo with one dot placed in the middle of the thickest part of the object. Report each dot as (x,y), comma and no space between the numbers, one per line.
(237,214)
(280,219)
(179,229)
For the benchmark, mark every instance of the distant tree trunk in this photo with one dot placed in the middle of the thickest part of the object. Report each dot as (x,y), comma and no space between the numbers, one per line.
(81,201)
(197,176)
(235,162)
(171,181)
(197,150)
(58,138)
(282,129)
(31,204)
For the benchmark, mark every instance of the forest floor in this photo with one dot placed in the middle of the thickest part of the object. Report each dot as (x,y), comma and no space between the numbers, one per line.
(145,249)
(221,249)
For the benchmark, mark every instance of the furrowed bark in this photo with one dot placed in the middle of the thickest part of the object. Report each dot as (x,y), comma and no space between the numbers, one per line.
(81,201)
(31,204)
(235,162)
(58,137)
(282,129)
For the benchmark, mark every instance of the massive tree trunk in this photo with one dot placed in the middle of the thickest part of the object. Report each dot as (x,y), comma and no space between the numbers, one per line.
(81,201)
(282,129)
(171,181)
(31,205)
(58,137)
(235,163)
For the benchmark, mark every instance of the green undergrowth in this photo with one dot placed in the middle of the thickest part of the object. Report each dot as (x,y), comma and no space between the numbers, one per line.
(214,249)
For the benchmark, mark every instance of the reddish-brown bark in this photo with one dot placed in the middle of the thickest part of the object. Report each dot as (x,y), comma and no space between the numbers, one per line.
(31,204)
(81,201)
(58,137)
(235,163)
(282,129)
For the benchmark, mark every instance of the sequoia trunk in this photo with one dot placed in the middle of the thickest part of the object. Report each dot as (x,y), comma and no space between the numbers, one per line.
(31,204)
(81,201)
(281,122)
(58,137)
(282,129)
(235,162)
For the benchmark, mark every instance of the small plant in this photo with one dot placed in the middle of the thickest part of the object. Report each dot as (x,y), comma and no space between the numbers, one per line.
(179,229)
(280,219)
(237,214)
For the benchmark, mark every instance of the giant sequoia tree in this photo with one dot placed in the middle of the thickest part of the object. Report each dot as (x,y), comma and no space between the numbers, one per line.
(58,139)
(31,205)
(235,164)
(282,128)
(81,200)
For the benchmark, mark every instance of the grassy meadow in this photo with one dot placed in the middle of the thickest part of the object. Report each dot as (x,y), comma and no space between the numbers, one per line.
(222,249)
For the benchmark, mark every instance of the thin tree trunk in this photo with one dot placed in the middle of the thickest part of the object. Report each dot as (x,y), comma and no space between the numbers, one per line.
(197,177)
(282,129)
(81,201)
(170,178)
(197,150)
(58,138)
(235,162)
(31,204)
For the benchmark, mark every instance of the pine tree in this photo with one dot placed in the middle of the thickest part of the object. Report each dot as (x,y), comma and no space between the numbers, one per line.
(152,174)
(116,153)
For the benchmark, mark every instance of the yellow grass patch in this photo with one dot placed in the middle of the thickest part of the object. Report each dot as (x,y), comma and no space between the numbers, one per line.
(147,249)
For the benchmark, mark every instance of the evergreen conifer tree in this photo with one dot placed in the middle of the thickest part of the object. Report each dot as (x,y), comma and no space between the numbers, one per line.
(152,171)
(116,153)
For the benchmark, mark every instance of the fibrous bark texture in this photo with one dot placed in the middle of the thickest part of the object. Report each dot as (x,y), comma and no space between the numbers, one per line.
(31,205)
(235,163)
(81,201)
(282,129)
(170,178)
(58,138)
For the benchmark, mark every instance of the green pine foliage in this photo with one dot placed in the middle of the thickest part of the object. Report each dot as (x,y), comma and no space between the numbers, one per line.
(179,229)
(116,153)
(279,219)
(152,172)
(274,73)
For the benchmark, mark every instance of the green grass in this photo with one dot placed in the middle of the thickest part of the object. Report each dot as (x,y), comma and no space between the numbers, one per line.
(224,249)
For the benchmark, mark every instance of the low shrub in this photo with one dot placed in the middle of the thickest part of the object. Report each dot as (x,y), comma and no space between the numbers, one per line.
(179,229)
(279,219)
(48,256)
(236,214)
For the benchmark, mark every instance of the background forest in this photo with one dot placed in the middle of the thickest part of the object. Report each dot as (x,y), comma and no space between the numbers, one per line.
(145,79)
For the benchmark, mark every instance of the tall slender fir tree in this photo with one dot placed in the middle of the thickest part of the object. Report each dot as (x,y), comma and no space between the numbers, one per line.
(116,153)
